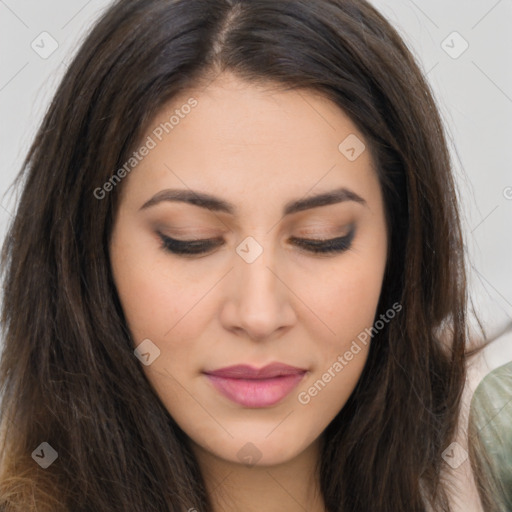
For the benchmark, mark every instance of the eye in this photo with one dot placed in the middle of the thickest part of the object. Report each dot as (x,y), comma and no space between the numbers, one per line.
(316,246)
(188,247)
(331,246)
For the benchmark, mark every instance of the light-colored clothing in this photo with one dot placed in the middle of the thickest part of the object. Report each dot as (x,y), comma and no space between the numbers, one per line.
(491,414)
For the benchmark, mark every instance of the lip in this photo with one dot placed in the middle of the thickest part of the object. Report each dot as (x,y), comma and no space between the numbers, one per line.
(256,387)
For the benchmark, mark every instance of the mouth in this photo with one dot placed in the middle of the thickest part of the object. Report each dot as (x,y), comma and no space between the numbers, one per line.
(253,387)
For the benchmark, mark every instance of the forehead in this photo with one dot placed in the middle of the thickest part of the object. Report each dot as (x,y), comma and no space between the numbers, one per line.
(240,140)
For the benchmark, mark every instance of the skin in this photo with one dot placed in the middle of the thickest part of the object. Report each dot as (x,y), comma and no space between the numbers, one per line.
(289,305)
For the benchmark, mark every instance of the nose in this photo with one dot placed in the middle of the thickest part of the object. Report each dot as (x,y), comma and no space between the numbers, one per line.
(258,304)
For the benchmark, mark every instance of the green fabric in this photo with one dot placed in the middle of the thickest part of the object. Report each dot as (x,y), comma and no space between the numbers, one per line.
(491,415)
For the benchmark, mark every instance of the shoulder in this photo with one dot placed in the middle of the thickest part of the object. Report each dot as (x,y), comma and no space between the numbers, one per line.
(491,419)
(488,375)
(493,396)
(490,383)
(489,405)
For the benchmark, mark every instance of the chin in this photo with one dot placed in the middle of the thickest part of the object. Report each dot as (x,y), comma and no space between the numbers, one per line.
(260,452)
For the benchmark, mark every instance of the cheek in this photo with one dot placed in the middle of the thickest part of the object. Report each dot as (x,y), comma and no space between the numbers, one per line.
(165,306)
(346,298)
(157,299)
(348,308)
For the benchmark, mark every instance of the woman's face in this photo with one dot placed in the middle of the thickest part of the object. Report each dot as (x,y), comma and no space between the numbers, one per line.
(241,166)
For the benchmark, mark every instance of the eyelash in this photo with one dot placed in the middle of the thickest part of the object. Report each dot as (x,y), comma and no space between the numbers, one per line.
(196,247)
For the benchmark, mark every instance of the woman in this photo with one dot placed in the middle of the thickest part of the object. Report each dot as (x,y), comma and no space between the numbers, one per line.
(179,335)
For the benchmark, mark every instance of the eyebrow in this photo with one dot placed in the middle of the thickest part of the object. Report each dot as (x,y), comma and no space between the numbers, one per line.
(217,204)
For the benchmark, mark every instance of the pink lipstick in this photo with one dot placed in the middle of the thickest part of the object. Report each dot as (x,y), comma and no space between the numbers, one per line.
(253,387)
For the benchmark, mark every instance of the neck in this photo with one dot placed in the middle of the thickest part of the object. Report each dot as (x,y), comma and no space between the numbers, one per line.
(292,486)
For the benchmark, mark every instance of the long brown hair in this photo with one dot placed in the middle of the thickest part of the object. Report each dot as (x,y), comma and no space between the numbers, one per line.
(68,373)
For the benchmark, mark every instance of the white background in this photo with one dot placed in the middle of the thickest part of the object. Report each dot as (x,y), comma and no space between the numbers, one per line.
(474,92)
